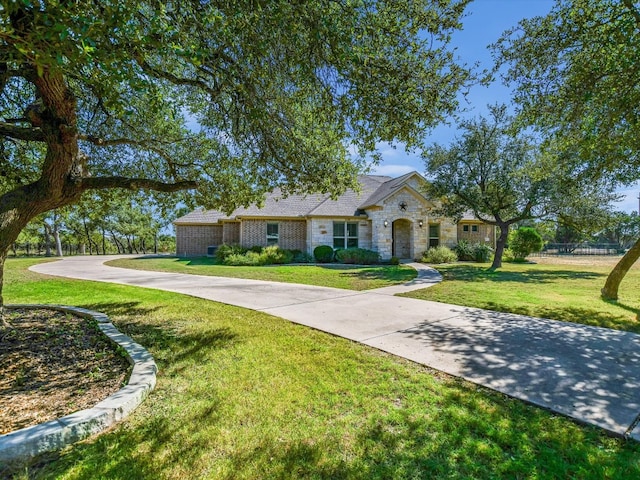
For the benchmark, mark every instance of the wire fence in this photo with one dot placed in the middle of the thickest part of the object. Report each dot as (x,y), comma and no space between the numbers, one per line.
(551,249)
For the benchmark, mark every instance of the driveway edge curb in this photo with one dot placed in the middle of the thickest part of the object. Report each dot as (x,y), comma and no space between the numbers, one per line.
(56,434)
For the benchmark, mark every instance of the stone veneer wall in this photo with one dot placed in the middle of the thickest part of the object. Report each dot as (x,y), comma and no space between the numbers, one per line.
(194,239)
(484,232)
(292,234)
(416,210)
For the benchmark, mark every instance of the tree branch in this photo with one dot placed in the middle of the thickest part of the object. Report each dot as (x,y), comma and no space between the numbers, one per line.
(103,183)
(21,133)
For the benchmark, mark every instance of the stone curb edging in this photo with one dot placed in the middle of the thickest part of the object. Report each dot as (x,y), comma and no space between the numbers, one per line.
(55,434)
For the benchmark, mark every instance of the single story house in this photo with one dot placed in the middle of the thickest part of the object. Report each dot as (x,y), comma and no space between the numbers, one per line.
(389,215)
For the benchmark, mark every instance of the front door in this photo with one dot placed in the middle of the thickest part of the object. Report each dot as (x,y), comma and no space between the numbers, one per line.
(401,231)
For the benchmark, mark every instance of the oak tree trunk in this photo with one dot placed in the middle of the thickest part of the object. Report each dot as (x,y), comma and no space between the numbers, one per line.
(610,290)
(500,244)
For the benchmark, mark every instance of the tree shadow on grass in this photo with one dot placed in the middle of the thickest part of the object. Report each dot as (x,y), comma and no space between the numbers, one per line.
(478,274)
(580,315)
(473,433)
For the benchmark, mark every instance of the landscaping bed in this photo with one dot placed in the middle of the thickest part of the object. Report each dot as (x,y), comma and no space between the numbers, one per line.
(53,364)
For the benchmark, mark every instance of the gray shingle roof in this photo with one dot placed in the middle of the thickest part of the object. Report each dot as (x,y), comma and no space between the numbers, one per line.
(347,205)
(201,216)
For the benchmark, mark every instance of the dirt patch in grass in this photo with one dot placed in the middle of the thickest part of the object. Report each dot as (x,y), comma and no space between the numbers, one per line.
(53,364)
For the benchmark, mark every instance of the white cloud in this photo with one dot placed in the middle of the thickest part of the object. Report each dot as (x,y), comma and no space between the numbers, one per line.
(392,170)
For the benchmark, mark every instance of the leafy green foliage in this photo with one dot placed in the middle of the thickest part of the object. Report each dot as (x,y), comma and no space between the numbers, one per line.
(623,229)
(482,252)
(576,74)
(473,252)
(359,256)
(394,261)
(439,254)
(263,256)
(323,253)
(232,98)
(301,257)
(524,241)
(225,250)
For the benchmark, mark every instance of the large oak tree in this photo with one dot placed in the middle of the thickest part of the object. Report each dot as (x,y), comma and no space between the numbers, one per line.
(490,172)
(503,177)
(233,98)
(576,73)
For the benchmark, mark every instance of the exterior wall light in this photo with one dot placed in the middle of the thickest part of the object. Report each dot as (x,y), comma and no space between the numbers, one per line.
(386,224)
(420,223)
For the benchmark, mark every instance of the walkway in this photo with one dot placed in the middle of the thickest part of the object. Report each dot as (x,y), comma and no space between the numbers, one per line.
(587,373)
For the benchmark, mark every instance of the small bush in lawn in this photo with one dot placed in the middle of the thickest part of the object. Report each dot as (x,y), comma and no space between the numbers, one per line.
(323,253)
(508,256)
(301,257)
(525,241)
(440,254)
(482,252)
(225,250)
(465,251)
(359,256)
(275,255)
(394,261)
(473,252)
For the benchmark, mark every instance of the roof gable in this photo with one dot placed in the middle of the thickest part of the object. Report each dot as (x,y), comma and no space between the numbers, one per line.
(393,186)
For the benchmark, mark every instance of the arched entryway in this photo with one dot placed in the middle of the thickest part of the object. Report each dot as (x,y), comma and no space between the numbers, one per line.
(401,234)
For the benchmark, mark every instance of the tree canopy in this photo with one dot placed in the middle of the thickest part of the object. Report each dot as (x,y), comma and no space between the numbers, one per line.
(232,98)
(576,74)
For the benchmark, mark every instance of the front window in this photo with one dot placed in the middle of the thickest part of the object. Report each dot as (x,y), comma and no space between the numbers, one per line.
(434,235)
(272,233)
(345,234)
(474,228)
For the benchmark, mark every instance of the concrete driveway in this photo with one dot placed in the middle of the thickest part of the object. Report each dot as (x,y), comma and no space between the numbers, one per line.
(587,373)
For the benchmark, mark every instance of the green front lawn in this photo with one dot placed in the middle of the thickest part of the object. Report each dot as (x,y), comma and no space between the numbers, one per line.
(559,292)
(244,395)
(337,276)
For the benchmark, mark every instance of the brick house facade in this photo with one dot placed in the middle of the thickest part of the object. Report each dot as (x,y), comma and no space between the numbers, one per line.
(390,216)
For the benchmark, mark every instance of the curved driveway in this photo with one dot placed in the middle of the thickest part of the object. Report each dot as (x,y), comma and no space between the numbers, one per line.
(587,373)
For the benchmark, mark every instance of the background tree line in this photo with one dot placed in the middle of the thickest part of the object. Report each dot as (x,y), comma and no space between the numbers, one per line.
(99,224)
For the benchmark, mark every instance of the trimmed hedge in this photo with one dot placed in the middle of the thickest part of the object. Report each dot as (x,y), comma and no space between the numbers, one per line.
(323,253)
(359,256)
(260,256)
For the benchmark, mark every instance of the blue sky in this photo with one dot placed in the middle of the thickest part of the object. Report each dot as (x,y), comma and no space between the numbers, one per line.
(483,25)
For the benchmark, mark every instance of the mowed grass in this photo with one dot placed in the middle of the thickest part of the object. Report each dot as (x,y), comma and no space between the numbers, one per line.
(566,292)
(338,276)
(244,395)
